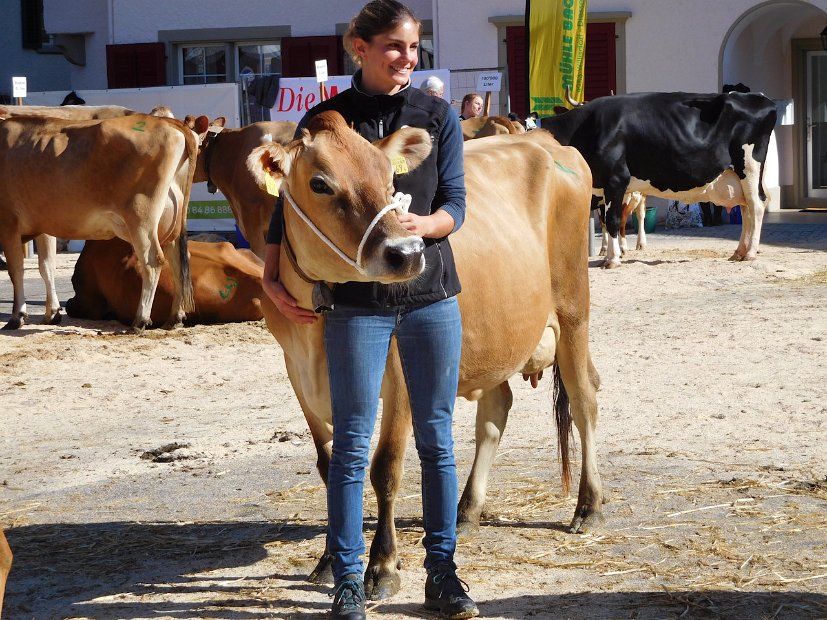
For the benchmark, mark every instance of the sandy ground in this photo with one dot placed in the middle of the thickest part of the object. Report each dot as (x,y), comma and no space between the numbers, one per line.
(171,475)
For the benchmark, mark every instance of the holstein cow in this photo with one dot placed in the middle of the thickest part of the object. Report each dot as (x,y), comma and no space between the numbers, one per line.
(226,284)
(522,250)
(484,126)
(127,177)
(681,146)
(222,163)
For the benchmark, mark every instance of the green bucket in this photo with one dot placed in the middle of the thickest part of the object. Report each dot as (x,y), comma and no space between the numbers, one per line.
(648,220)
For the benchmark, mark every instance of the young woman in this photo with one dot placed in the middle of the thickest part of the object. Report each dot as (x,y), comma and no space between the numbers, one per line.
(471,106)
(423,316)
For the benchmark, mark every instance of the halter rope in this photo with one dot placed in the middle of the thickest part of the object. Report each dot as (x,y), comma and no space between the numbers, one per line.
(399,202)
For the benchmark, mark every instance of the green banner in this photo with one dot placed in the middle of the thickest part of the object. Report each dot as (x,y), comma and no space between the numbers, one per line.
(556,52)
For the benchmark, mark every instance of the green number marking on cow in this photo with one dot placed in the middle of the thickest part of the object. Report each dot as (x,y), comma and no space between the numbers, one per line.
(139,126)
(228,289)
(564,169)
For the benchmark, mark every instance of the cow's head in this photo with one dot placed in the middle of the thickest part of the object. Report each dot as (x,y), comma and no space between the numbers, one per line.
(206,132)
(341,185)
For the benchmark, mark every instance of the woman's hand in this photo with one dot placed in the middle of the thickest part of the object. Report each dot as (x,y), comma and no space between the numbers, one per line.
(435,226)
(284,301)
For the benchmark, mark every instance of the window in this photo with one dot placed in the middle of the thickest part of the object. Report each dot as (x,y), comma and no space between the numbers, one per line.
(426,53)
(31,18)
(256,60)
(204,64)
(257,63)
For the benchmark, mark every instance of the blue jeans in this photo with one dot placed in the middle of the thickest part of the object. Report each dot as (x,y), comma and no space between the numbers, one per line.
(357,340)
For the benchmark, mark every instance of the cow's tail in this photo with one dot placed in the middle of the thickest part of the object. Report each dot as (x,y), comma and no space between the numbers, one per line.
(562,416)
(188,295)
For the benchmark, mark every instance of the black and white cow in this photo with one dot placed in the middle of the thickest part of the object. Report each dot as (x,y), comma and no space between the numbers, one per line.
(680,146)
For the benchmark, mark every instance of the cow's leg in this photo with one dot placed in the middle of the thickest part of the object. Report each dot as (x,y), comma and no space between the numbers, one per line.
(640,210)
(177,256)
(604,245)
(580,380)
(46,257)
(614,208)
(5,566)
(624,217)
(322,436)
(149,254)
(14,259)
(492,415)
(382,577)
(753,211)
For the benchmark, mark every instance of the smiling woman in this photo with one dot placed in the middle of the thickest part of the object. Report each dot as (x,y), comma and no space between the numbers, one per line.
(364,313)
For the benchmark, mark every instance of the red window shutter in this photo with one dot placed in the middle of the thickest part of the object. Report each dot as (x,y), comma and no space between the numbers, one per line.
(517,59)
(299,55)
(136,65)
(601,68)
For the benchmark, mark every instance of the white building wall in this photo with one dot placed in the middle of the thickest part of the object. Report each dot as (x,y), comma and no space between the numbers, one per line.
(42,71)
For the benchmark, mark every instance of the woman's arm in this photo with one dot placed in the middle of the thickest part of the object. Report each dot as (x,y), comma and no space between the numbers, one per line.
(284,301)
(450,193)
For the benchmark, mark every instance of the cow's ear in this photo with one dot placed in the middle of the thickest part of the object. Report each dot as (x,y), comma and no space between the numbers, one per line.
(269,164)
(413,145)
(220,121)
(202,123)
(189,121)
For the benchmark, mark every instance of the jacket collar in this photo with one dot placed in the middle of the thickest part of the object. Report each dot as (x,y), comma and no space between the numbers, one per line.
(356,84)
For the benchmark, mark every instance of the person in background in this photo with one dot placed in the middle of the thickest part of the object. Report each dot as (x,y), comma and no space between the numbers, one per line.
(423,315)
(471,106)
(433,86)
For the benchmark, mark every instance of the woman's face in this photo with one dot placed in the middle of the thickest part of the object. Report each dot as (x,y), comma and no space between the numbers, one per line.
(389,58)
(473,108)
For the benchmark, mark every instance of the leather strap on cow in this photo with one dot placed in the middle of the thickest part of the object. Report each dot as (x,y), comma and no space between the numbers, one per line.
(208,151)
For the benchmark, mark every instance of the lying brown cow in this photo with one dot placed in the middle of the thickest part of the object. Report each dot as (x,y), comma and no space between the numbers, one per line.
(127,177)
(522,260)
(226,284)
(484,126)
(222,163)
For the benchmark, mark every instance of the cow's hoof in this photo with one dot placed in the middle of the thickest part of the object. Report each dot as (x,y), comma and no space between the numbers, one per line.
(611,264)
(382,584)
(173,325)
(467,529)
(56,319)
(736,257)
(585,521)
(15,323)
(323,573)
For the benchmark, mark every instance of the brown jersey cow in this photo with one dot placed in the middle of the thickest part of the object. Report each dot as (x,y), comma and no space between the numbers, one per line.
(522,259)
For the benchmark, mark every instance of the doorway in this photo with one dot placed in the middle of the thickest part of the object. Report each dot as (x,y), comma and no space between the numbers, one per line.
(815,152)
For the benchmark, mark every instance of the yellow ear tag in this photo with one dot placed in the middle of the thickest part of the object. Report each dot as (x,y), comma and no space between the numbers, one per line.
(271,185)
(400,164)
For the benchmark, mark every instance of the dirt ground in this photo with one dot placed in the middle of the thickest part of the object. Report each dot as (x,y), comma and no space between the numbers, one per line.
(171,475)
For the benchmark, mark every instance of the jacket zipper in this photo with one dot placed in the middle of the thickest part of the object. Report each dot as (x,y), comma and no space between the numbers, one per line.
(381,129)
(441,271)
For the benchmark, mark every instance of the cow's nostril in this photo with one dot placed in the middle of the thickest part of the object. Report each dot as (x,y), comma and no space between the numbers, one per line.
(401,253)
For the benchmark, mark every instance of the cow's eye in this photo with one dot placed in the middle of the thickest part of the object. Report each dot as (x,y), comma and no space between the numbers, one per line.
(318,185)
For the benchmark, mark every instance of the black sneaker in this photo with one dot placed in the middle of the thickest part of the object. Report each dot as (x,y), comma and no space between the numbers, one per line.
(349,599)
(446,593)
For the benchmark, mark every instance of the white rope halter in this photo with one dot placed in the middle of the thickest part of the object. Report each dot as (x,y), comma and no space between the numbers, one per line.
(400,202)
